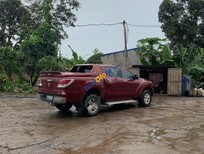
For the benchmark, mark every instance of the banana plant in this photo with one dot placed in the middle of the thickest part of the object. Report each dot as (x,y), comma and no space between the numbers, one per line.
(154,51)
(76,59)
(191,61)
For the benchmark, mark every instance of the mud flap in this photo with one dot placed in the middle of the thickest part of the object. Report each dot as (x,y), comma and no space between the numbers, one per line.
(79,107)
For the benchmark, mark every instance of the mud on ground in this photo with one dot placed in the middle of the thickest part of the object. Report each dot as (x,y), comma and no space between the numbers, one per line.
(171,125)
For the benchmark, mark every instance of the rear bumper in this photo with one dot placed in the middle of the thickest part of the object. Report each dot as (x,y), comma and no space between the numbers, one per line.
(52,99)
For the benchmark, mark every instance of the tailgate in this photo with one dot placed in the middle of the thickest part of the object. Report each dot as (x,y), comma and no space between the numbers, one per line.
(49,81)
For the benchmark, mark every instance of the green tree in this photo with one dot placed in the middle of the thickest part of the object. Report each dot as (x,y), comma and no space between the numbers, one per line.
(50,63)
(60,13)
(9,62)
(183,22)
(15,22)
(95,58)
(154,51)
(191,60)
(43,42)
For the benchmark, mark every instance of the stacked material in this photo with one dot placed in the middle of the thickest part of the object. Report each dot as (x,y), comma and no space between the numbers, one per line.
(198,92)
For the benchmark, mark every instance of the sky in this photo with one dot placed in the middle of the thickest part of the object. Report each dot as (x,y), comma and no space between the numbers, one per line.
(109,39)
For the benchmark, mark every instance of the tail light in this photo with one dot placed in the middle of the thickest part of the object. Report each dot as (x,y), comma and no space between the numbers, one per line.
(39,82)
(63,83)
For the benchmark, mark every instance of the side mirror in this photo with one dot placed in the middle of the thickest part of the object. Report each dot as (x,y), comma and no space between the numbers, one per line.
(136,76)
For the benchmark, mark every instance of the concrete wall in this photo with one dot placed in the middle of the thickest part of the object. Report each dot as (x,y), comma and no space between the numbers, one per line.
(119,58)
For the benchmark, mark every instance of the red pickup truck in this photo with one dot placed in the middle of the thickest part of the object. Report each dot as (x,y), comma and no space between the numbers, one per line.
(90,86)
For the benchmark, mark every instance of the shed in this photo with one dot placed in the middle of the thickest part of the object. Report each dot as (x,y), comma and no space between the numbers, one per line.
(166,79)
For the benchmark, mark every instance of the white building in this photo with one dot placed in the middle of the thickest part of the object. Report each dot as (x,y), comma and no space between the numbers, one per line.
(123,58)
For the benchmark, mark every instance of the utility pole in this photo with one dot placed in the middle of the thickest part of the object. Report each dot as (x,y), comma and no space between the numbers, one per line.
(125,41)
(125,34)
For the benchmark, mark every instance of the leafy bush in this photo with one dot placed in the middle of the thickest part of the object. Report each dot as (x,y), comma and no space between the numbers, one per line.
(154,51)
(95,58)
(10,85)
(50,63)
(191,60)
(3,80)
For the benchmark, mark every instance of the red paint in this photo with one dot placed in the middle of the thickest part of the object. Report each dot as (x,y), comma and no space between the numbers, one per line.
(72,85)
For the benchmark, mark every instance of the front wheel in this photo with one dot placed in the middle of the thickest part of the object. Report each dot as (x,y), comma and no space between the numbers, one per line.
(63,107)
(145,99)
(92,105)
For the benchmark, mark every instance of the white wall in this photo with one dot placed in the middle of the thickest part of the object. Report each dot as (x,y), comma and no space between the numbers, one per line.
(119,58)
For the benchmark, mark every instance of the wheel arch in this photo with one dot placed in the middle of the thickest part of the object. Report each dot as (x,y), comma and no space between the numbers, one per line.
(150,89)
(92,91)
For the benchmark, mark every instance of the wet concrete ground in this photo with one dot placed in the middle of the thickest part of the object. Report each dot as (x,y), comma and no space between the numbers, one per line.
(171,125)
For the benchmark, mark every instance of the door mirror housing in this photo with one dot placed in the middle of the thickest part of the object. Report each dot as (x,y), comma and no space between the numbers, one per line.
(136,76)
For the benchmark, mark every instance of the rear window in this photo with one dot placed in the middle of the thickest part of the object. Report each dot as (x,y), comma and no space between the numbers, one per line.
(81,69)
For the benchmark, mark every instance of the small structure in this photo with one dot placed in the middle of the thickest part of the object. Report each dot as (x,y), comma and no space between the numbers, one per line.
(166,79)
(121,57)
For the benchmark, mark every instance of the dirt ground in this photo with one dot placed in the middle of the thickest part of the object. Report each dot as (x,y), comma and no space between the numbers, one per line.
(171,125)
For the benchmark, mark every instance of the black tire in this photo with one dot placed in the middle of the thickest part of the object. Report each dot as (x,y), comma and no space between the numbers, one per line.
(91,105)
(145,99)
(63,107)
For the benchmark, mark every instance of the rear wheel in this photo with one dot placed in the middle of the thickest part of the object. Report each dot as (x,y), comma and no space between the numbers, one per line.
(63,107)
(145,99)
(92,105)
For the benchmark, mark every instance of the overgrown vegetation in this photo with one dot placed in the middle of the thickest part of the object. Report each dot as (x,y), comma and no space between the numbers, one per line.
(183,23)
(30,36)
(3,80)
(155,51)
(95,58)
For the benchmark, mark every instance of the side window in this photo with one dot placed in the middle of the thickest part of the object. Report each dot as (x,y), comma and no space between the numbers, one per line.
(119,73)
(110,72)
(127,75)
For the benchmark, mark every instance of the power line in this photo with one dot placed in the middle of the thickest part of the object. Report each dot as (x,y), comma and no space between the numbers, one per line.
(91,34)
(126,31)
(118,23)
(145,26)
(101,24)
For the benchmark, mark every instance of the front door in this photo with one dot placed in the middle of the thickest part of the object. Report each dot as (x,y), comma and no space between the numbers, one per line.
(113,84)
(130,84)
(120,85)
